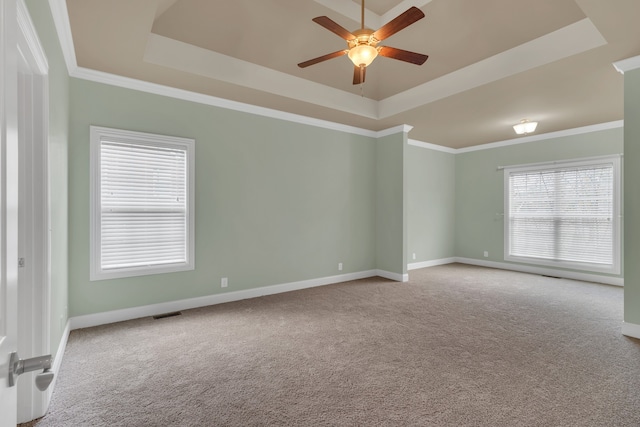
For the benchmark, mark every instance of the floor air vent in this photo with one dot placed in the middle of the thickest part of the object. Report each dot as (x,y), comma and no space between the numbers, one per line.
(163,316)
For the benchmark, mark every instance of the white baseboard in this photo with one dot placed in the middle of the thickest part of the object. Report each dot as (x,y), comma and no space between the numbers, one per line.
(96,319)
(585,277)
(431,263)
(103,318)
(631,330)
(393,276)
(57,361)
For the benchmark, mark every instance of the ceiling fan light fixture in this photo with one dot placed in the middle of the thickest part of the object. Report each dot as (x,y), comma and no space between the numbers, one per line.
(525,127)
(362,55)
(361,44)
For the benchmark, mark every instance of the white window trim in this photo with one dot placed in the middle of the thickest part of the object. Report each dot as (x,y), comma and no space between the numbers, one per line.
(615,160)
(97,134)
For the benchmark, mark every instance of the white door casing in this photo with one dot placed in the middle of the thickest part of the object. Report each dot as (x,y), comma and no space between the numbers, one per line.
(8,206)
(33,232)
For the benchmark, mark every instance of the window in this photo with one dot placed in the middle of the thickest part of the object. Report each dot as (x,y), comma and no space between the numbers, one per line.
(142,203)
(564,214)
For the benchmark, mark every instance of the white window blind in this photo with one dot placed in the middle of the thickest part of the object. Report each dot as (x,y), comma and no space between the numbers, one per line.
(564,215)
(144,205)
(142,215)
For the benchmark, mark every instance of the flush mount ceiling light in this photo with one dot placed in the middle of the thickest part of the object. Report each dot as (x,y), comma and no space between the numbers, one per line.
(362,45)
(525,127)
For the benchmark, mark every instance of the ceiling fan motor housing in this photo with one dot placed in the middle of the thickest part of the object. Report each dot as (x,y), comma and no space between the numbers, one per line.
(363,36)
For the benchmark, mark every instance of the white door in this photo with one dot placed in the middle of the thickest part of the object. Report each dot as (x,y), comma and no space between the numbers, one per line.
(8,207)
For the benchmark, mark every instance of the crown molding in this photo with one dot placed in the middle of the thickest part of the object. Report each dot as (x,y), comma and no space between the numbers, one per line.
(185,95)
(63,28)
(394,130)
(156,89)
(523,140)
(544,136)
(627,64)
(434,147)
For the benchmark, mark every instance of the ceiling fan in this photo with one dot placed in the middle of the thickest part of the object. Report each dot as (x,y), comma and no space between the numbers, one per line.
(362,44)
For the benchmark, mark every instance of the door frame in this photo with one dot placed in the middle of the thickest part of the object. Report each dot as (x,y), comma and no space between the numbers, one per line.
(34,294)
(8,207)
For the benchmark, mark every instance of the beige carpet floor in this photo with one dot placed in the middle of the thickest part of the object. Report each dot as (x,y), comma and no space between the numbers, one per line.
(455,346)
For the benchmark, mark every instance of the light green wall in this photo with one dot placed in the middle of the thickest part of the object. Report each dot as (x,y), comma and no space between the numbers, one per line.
(431,204)
(279,202)
(276,201)
(390,203)
(58,153)
(479,188)
(632,196)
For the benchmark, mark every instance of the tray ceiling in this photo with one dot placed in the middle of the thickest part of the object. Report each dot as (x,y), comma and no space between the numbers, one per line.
(491,62)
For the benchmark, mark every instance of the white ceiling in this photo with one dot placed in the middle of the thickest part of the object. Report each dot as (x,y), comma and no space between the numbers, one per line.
(491,62)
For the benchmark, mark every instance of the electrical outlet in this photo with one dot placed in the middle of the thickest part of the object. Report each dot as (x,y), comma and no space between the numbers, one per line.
(224,282)
(339,266)
(486,254)
(414,255)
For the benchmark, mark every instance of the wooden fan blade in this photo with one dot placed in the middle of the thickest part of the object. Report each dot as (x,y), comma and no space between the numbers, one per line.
(323,58)
(402,55)
(359,74)
(403,20)
(334,27)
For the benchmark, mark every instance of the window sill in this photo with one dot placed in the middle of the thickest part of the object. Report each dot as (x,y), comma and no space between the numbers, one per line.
(121,273)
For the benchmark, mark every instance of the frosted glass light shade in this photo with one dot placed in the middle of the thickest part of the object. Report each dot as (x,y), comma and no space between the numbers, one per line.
(525,126)
(362,55)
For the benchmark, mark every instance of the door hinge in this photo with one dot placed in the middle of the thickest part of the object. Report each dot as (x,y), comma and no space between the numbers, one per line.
(20,262)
